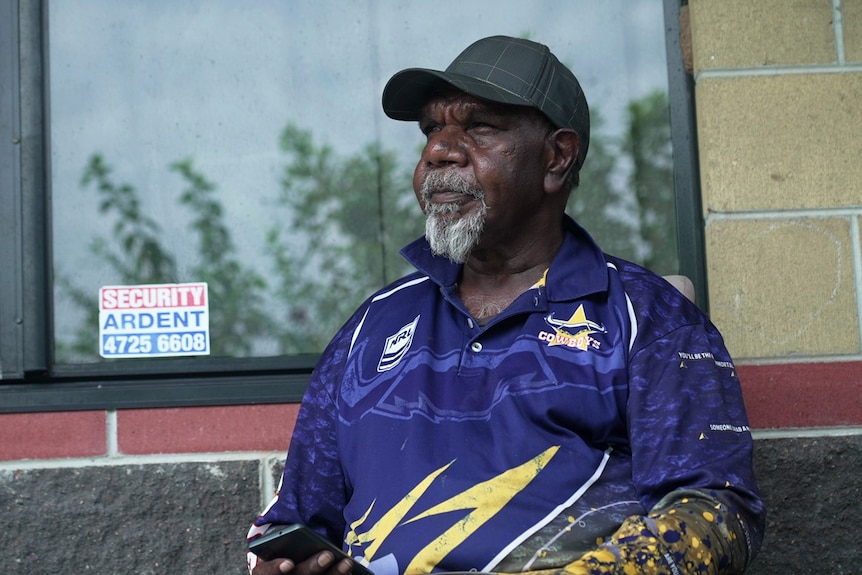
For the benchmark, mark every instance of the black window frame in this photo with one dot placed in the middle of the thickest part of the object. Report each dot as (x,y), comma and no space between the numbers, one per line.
(29,380)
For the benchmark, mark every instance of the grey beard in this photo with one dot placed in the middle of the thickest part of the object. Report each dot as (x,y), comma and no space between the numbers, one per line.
(449,236)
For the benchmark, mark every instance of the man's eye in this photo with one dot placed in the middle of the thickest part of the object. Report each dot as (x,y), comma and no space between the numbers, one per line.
(481,127)
(427,129)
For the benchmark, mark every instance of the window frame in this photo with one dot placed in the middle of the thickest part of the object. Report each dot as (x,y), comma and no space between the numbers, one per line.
(29,380)
(691,244)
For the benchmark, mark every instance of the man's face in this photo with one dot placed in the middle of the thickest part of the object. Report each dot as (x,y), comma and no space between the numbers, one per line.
(481,172)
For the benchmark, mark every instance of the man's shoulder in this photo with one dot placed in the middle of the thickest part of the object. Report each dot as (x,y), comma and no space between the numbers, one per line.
(636,278)
(396,300)
(386,306)
(653,299)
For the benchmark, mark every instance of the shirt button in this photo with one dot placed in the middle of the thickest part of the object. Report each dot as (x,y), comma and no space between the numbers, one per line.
(476,346)
(470,322)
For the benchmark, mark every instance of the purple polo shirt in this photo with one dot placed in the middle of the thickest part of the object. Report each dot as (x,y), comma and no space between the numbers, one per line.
(428,443)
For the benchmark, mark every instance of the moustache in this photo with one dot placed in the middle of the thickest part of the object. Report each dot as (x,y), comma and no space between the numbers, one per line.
(450,181)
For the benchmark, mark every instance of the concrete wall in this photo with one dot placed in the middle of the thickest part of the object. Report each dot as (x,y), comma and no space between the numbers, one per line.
(779,115)
(147,491)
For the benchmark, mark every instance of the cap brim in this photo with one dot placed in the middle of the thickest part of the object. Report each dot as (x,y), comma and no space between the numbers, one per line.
(408,91)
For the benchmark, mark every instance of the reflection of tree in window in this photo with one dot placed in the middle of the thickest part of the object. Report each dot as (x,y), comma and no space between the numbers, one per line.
(235,291)
(626,196)
(336,240)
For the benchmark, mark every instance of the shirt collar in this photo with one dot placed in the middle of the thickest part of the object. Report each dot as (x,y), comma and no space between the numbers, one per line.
(579,268)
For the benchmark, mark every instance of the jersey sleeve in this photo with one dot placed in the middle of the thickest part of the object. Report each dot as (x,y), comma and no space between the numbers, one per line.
(689,431)
(312,490)
(688,533)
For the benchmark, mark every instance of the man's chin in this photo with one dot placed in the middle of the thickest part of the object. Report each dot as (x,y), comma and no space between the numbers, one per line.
(453,235)
(457,252)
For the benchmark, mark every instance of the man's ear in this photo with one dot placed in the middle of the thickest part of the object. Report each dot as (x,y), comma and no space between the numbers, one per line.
(563,146)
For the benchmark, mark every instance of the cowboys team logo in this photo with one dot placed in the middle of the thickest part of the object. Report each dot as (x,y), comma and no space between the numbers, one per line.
(396,346)
(575,332)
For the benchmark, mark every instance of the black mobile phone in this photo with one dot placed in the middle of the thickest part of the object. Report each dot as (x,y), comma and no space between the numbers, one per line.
(297,543)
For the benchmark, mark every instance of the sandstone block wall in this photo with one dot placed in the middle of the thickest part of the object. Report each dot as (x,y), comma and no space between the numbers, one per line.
(778,92)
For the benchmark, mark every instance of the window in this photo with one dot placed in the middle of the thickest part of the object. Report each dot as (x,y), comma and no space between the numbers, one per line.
(205,142)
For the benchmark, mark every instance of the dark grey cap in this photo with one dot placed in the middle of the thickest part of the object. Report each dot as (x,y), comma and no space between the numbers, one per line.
(501,69)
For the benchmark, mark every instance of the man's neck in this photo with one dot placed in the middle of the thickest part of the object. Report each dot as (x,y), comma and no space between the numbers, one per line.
(491,279)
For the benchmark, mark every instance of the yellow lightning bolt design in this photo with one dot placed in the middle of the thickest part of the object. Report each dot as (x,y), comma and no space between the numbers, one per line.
(392,518)
(484,500)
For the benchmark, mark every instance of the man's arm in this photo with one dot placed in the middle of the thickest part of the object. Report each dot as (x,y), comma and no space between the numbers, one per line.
(691,450)
(686,533)
(312,489)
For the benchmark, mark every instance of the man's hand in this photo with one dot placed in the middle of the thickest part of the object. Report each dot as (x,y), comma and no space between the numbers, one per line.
(321,564)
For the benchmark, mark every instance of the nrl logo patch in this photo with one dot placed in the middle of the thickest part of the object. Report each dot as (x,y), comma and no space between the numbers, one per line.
(396,346)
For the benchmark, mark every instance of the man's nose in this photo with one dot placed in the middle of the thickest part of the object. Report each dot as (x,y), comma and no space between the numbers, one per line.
(446,146)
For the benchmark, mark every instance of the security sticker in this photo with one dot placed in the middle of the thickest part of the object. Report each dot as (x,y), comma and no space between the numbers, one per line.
(156,320)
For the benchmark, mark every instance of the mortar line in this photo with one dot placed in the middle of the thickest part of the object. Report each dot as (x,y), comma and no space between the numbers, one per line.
(856,247)
(838,26)
(796,432)
(113,449)
(777,71)
(796,359)
(267,489)
(161,458)
(820,213)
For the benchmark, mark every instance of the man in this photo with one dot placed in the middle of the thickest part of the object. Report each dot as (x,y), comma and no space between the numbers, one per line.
(523,402)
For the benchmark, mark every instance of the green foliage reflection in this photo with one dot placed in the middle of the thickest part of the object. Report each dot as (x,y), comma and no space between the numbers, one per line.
(334,235)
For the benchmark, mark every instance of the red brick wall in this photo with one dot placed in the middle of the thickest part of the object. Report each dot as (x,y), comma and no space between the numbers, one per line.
(800,395)
(803,394)
(146,431)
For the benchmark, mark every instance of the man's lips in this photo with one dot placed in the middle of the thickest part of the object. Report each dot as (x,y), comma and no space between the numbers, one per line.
(449,197)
